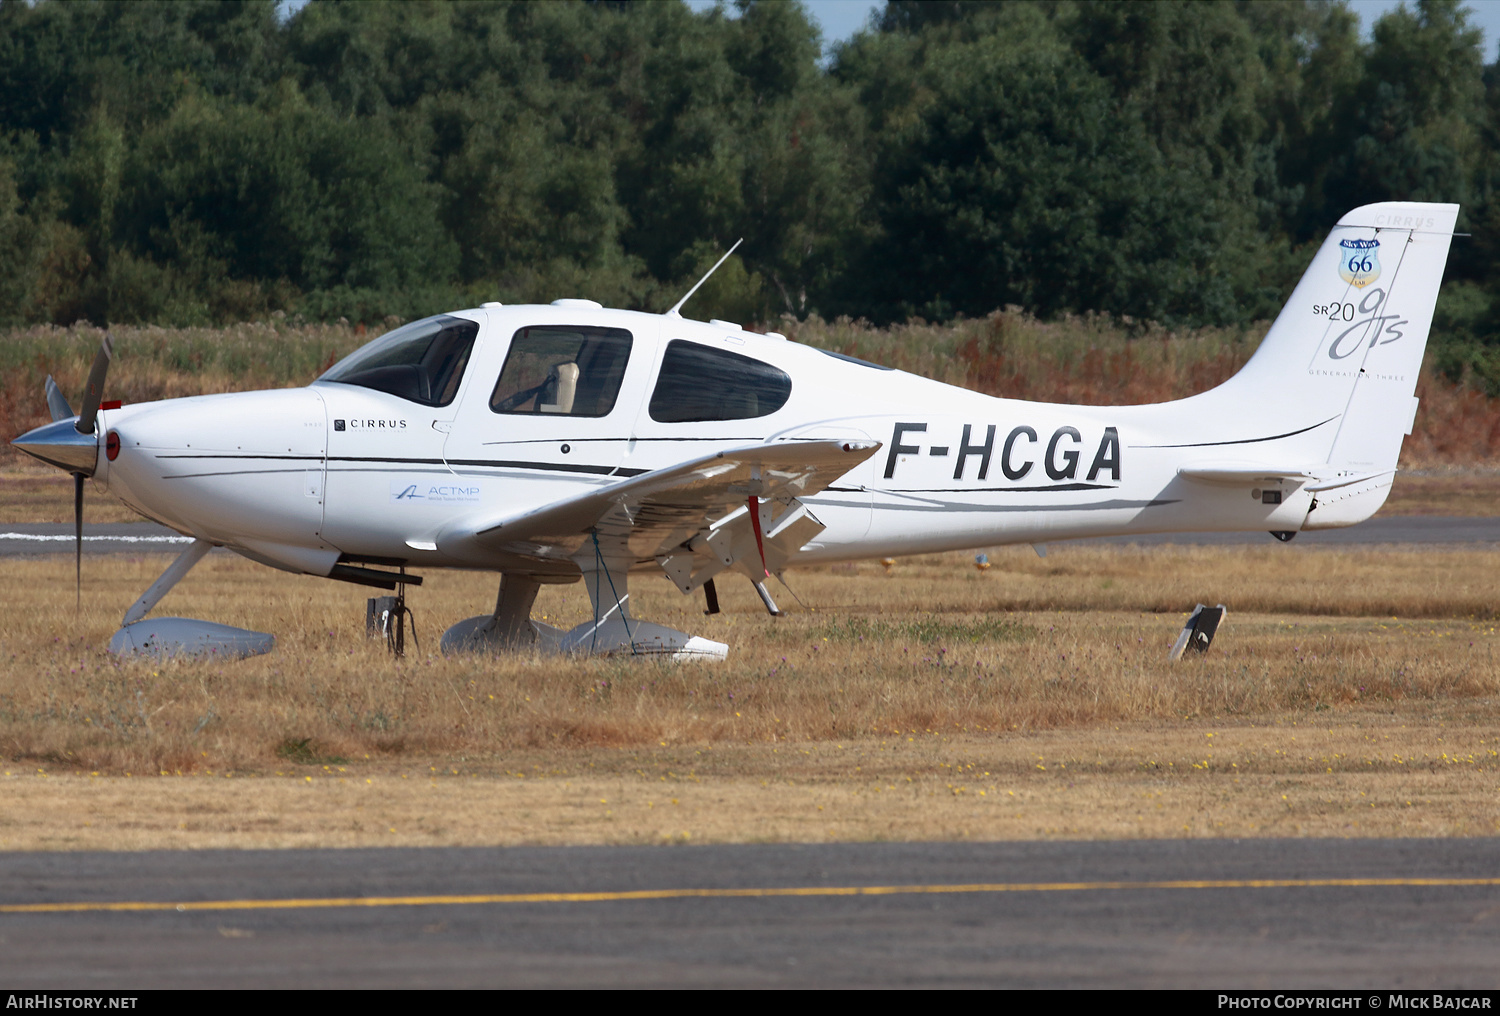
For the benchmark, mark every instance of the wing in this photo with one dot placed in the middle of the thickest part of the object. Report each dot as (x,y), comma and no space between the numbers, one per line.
(659,513)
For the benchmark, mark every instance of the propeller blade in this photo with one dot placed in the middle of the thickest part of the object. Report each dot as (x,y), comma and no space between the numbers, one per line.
(57,403)
(78,540)
(94,393)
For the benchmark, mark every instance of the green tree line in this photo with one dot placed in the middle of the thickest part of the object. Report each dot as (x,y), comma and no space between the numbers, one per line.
(207,161)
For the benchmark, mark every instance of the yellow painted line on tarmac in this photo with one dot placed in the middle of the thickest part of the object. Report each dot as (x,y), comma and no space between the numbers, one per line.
(480,899)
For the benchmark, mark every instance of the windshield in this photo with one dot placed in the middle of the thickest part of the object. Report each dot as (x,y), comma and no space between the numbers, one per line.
(421,362)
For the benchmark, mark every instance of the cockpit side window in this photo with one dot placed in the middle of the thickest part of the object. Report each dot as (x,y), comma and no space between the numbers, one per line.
(566,371)
(421,362)
(699,384)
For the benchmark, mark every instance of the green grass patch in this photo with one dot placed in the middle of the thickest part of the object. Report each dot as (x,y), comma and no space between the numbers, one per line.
(305,752)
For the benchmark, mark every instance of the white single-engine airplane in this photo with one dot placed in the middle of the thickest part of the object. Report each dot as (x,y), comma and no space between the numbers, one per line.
(550,443)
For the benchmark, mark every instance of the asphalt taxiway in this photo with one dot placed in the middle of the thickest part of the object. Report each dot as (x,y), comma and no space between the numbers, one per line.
(1274,914)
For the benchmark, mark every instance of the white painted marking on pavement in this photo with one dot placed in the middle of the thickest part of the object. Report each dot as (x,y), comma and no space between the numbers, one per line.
(106,539)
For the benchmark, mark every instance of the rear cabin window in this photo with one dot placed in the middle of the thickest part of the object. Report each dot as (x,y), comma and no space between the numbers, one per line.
(565,371)
(420,362)
(699,384)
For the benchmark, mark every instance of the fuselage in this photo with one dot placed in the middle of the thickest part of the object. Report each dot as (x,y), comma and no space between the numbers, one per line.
(300,478)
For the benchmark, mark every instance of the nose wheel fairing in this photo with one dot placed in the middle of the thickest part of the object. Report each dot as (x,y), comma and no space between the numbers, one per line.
(185,636)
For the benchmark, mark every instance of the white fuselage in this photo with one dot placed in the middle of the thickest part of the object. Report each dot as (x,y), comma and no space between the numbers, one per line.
(299,478)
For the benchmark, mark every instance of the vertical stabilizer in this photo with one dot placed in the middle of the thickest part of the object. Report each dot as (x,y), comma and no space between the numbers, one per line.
(1347,349)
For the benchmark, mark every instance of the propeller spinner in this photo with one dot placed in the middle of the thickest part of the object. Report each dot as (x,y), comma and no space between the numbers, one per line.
(72,443)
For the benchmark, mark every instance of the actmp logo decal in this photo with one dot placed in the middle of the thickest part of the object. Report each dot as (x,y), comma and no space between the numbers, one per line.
(1359,262)
(416,490)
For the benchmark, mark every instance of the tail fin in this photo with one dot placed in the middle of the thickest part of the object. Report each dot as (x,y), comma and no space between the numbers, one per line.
(1347,348)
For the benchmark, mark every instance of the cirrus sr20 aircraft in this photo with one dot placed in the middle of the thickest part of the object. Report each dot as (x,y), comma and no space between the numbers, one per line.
(565,442)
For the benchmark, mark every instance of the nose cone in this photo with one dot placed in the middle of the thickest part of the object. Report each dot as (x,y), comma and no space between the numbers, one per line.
(59,444)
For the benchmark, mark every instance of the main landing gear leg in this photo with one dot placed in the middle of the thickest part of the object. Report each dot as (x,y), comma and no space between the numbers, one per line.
(612,631)
(509,628)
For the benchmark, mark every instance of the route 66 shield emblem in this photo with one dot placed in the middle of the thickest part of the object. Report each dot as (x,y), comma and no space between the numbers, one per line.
(1359,263)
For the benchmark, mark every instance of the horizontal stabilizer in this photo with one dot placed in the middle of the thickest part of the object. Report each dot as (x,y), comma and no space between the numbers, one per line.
(1237,473)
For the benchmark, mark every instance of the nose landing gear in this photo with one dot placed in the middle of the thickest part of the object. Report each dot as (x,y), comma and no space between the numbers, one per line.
(183,636)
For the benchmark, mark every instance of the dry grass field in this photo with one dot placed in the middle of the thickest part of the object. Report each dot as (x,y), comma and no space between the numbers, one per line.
(1349,693)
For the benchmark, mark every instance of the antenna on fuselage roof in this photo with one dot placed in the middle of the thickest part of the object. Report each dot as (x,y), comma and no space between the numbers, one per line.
(678,305)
